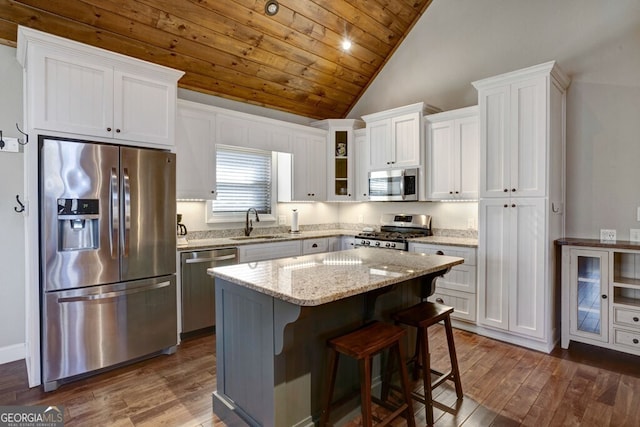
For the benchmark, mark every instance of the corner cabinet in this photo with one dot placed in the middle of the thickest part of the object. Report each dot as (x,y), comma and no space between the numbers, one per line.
(90,92)
(453,154)
(340,157)
(195,152)
(522,193)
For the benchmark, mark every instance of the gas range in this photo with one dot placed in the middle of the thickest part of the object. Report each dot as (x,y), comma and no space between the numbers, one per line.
(395,230)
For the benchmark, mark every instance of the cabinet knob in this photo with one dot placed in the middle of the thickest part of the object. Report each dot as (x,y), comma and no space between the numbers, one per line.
(635,319)
(349,195)
(604,297)
(364,194)
(513,205)
(506,206)
(440,300)
(450,192)
(213,191)
(635,340)
(513,190)
(117,130)
(108,129)
(506,191)
(457,192)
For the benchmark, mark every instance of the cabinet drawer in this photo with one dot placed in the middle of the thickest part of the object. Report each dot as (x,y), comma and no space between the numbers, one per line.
(314,246)
(627,339)
(469,254)
(266,251)
(460,278)
(464,304)
(626,317)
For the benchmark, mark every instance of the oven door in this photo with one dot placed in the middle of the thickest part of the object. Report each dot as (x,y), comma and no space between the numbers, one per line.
(393,185)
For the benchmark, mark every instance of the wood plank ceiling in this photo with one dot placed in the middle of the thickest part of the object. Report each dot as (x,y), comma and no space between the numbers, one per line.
(292,61)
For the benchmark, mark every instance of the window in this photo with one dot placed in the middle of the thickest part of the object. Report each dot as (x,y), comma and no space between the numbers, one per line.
(244,180)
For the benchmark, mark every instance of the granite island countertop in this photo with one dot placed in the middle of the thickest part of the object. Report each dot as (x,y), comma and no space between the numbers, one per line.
(317,279)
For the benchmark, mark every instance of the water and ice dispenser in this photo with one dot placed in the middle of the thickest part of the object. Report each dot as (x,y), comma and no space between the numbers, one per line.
(78,224)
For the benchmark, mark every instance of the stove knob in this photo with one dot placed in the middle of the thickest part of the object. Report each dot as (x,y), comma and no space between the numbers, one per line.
(393,245)
(388,244)
(377,243)
(363,242)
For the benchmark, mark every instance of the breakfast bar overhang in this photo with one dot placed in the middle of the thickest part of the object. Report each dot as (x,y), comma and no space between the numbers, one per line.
(273,319)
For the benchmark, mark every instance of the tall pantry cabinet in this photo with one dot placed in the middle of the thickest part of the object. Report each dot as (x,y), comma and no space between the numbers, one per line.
(522,192)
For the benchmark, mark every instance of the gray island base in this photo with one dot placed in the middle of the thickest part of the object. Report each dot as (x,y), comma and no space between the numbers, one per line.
(273,319)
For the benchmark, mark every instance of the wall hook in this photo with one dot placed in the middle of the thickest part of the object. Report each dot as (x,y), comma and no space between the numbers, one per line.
(21,142)
(21,208)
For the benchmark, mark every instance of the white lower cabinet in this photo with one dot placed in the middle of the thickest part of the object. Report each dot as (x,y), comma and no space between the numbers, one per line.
(514,266)
(601,296)
(457,288)
(315,246)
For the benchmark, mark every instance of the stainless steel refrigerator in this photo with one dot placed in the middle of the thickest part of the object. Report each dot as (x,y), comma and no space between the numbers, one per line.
(108,256)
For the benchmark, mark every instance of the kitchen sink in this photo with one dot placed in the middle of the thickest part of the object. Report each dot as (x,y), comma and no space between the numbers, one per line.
(264,237)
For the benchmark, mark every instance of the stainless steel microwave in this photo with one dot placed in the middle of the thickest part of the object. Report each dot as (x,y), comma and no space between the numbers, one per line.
(393,185)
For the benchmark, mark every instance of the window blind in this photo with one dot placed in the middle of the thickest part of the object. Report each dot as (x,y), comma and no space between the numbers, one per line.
(243,180)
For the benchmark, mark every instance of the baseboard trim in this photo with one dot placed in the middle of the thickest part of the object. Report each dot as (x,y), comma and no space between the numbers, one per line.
(12,353)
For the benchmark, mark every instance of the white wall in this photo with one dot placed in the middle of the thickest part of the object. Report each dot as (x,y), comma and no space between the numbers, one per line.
(12,304)
(597,43)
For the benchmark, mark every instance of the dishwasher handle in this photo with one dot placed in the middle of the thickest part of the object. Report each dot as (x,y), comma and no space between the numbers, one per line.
(214,259)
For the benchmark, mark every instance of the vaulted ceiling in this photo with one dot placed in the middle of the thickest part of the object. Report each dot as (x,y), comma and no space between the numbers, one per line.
(292,61)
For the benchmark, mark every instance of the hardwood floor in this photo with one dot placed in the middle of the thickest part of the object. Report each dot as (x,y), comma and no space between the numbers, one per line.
(504,385)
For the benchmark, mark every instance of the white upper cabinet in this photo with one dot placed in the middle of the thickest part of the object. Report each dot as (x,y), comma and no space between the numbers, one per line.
(80,90)
(340,155)
(302,175)
(453,154)
(246,130)
(362,164)
(515,133)
(396,138)
(195,152)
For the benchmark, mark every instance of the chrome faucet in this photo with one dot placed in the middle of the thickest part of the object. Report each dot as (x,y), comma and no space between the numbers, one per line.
(248,224)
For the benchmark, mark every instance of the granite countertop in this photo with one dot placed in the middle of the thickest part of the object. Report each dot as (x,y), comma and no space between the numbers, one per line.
(595,243)
(221,242)
(313,280)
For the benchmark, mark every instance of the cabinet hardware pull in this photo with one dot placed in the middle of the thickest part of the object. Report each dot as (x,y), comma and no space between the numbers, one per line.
(513,190)
(457,192)
(635,319)
(213,191)
(506,191)
(315,245)
(108,129)
(635,340)
(450,192)
(440,300)
(604,297)
(513,205)
(506,206)
(117,130)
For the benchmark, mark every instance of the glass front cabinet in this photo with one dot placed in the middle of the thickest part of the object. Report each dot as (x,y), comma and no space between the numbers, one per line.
(601,296)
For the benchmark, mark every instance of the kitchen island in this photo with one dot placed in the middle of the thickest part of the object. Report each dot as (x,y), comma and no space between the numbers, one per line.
(273,319)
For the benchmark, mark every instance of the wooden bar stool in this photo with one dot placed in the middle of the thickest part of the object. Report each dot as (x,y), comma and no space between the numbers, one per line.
(421,316)
(362,345)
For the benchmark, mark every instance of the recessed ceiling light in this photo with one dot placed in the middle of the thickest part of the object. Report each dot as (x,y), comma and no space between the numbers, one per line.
(271,7)
(346,44)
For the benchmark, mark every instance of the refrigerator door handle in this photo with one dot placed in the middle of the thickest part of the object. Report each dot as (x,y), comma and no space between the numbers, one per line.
(114,214)
(126,184)
(115,294)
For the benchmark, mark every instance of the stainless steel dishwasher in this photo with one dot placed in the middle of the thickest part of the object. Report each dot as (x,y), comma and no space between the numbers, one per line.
(198,290)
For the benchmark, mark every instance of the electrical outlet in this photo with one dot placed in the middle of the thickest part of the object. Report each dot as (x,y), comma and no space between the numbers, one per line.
(282,220)
(9,145)
(634,234)
(607,235)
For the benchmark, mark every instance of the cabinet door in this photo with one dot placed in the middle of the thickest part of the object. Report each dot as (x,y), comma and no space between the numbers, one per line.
(527,261)
(310,168)
(195,154)
(494,263)
(267,251)
(588,307)
(406,140)
(440,160)
(528,136)
(361,165)
(71,94)
(380,150)
(467,156)
(341,168)
(494,142)
(144,109)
